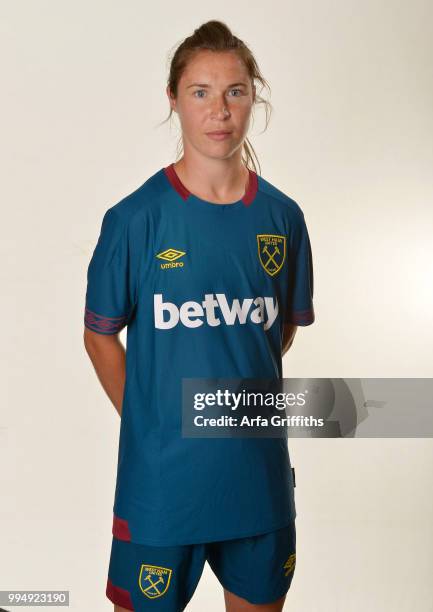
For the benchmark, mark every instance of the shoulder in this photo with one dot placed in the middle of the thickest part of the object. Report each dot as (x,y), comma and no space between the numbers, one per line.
(135,207)
(280,200)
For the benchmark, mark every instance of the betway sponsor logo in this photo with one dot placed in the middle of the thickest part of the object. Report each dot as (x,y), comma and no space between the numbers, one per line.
(215,310)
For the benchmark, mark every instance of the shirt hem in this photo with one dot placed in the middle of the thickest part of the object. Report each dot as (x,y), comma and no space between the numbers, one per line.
(220,538)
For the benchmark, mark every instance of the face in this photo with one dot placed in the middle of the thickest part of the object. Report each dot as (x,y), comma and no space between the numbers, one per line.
(214,94)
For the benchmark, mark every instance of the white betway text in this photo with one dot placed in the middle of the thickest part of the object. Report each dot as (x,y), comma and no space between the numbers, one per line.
(215,310)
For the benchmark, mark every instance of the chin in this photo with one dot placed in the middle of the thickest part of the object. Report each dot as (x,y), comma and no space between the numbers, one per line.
(221,149)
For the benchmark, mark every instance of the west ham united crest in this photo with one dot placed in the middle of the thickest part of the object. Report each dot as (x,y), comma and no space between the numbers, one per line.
(272,252)
(154,580)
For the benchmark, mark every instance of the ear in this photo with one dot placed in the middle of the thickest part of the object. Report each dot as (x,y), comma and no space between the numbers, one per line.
(254,93)
(171,99)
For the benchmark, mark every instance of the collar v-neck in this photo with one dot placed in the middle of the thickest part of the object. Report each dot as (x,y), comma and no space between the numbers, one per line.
(186,195)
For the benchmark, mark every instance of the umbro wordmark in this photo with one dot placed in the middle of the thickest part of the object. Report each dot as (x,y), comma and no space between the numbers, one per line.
(215,310)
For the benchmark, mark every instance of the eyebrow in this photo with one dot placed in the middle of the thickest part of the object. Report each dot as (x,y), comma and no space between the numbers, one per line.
(206,85)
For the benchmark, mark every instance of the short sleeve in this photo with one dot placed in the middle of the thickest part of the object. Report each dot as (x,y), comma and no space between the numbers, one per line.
(300,309)
(109,297)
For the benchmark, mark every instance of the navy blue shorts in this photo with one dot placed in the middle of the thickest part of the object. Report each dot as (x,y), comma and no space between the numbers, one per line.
(163,578)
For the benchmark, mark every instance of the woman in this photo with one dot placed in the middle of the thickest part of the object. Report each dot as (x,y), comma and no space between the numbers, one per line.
(209,266)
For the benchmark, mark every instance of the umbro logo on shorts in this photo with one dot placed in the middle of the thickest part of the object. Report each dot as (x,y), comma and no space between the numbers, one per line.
(215,310)
(289,565)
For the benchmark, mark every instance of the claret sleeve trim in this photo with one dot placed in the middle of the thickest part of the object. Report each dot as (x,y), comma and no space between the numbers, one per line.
(103,325)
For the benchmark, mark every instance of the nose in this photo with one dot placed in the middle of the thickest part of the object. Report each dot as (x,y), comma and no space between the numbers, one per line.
(219,108)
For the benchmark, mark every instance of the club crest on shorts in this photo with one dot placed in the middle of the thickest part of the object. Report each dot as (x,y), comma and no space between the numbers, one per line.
(272,252)
(290,564)
(154,580)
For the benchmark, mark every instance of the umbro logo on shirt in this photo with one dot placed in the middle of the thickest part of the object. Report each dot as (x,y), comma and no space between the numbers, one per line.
(170,256)
(215,310)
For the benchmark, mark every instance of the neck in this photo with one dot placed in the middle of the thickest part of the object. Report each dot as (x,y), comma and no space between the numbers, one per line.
(215,180)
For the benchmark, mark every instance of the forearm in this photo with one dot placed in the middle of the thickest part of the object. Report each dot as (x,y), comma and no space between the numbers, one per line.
(288,336)
(108,357)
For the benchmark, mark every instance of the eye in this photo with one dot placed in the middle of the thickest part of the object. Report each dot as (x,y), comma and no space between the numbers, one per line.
(202,91)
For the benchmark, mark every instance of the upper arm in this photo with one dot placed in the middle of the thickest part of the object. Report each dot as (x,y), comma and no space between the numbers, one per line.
(300,309)
(110,280)
(91,337)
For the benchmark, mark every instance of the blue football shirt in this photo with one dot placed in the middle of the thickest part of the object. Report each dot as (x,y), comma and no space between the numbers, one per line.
(204,290)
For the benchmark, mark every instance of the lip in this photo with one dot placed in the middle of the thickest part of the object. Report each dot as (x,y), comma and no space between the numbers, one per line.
(218,135)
